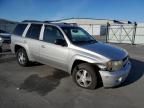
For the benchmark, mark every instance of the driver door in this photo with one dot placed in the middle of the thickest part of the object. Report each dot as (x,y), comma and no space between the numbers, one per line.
(51,53)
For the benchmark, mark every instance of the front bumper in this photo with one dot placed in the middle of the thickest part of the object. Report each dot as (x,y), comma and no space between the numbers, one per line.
(111,79)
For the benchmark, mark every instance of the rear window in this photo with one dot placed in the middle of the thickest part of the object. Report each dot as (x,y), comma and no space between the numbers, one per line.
(19,29)
(34,31)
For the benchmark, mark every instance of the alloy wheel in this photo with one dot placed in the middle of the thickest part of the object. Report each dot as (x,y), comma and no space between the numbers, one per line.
(83,78)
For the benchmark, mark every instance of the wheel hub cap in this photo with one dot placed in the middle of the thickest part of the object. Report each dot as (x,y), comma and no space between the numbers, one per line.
(83,78)
(21,58)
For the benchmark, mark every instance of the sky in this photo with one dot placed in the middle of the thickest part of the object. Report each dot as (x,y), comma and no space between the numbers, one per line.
(18,10)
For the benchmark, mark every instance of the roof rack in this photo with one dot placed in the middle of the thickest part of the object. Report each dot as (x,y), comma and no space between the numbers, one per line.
(47,21)
(37,21)
(53,22)
(31,21)
(63,23)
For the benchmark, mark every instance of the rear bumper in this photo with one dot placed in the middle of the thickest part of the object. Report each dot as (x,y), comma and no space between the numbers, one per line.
(111,79)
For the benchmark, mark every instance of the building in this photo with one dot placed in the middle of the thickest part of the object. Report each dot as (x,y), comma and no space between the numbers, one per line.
(88,21)
(95,27)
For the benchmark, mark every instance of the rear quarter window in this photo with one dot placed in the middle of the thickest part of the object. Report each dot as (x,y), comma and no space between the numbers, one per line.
(19,29)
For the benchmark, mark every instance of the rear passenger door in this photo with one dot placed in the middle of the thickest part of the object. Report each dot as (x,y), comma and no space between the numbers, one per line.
(32,40)
(50,53)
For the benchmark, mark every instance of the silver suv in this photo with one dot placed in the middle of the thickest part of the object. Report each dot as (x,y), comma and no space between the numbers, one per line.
(71,49)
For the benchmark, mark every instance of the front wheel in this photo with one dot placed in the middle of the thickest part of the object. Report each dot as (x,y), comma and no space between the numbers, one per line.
(85,76)
(22,57)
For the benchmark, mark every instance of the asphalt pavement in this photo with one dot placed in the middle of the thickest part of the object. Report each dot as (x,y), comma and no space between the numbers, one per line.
(41,86)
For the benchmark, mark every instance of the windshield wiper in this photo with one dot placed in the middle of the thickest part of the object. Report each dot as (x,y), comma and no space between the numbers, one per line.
(91,41)
(85,42)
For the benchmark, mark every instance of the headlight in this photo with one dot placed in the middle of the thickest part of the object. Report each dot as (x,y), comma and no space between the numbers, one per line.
(114,65)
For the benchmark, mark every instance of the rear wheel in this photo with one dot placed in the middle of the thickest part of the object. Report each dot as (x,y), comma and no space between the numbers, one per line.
(22,57)
(85,76)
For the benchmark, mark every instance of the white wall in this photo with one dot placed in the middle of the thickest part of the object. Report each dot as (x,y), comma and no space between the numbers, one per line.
(139,38)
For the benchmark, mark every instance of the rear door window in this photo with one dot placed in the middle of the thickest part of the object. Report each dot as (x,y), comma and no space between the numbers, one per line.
(34,31)
(19,29)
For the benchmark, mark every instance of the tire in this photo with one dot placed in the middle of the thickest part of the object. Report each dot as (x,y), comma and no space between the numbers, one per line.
(85,76)
(22,57)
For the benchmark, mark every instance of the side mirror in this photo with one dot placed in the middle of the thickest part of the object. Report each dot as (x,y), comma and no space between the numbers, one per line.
(61,42)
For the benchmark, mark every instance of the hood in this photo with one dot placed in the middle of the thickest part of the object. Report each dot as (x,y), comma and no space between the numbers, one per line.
(109,51)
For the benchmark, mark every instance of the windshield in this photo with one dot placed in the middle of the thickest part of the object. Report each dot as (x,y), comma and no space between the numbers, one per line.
(77,35)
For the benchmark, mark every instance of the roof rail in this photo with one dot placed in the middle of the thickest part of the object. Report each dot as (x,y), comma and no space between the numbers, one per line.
(54,22)
(37,21)
(47,21)
(64,23)
(31,21)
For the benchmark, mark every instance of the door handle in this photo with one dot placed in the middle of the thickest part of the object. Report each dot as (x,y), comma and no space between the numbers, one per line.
(42,46)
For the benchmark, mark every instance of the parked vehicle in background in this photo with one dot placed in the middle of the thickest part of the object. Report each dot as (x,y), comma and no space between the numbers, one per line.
(5,36)
(1,41)
(71,49)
